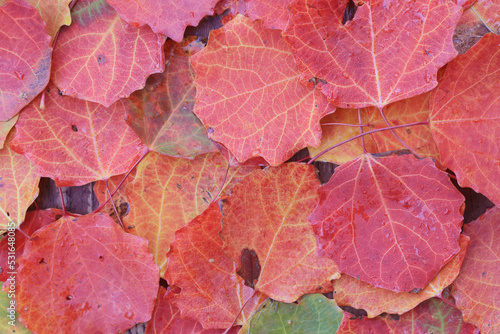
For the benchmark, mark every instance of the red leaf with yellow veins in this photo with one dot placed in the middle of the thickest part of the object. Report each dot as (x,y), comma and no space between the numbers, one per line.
(389,51)
(25,56)
(274,13)
(249,95)
(168,192)
(162,113)
(211,290)
(381,223)
(5,128)
(101,58)
(360,295)
(432,316)
(69,274)
(18,186)
(267,214)
(166,17)
(167,319)
(476,289)
(465,118)
(76,142)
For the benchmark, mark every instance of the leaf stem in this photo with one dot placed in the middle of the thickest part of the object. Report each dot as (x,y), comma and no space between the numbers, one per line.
(361,130)
(364,134)
(241,310)
(62,201)
(114,206)
(346,124)
(397,136)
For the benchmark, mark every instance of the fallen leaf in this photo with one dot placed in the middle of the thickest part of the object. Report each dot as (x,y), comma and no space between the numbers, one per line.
(25,57)
(465,118)
(392,222)
(249,96)
(10,318)
(5,128)
(267,213)
(476,289)
(274,13)
(470,29)
(85,275)
(389,51)
(101,58)
(488,11)
(75,142)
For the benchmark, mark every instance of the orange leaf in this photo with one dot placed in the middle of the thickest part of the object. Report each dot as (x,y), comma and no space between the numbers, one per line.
(169,192)
(18,187)
(267,213)
(211,291)
(76,142)
(488,12)
(69,274)
(358,294)
(389,51)
(392,222)
(476,289)
(101,58)
(465,118)
(25,56)
(274,13)
(249,95)
(5,128)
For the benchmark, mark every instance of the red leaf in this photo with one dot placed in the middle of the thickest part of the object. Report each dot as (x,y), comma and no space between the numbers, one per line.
(488,12)
(388,52)
(249,95)
(211,291)
(85,275)
(274,13)
(167,320)
(267,213)
(465,118)
(34,221)
(170,17)
(76,142)
(162,113)
(476,289)
(392,222)
(101,58)
(25,56)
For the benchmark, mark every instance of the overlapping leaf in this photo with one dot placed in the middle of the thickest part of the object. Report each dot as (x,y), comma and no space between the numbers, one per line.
(249,95)
(274,13)
(167,319)
(488,11)
(5,128)
(169,17)
(392,222)
(470,29)
(10,318)
(432,316)
(169,192)
(389,51)
(119,198)
(211,290)
(101,58)
(477,290)
(352,292)
(75,142)
(69,274)
(18,187)
(267,213)
(162,113)
(25,56)
(465,118)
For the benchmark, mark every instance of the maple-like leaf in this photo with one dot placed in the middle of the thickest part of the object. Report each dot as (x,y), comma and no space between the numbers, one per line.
(5,128)
(476,289)
(249,95)
(274,13)
(432,316)
(465,118)
(85,275)
(392,222)
(162,113)
(389,51)
(169,18)
(75,142)
(360,295)
(167,319)
(267,214)
(10,318)
(488,11)
(168,192)
(211,290)
(419,138)
(18,186)
(34,220)
(312,314)
(101,58)
(25,57)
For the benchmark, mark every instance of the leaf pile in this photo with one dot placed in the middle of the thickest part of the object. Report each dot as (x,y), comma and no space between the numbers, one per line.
(189,141)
